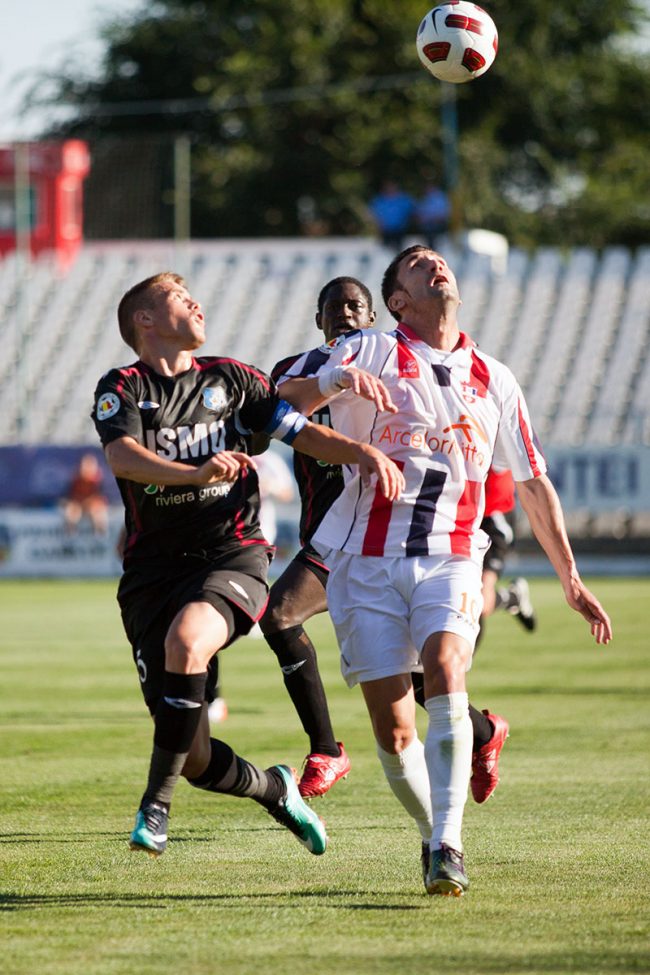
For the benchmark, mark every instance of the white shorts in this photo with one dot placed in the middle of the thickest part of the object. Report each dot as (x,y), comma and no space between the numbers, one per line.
(384,609)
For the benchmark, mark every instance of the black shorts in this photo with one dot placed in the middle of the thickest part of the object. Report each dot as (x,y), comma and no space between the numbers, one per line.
(499,529)
(309,557)
(150,595)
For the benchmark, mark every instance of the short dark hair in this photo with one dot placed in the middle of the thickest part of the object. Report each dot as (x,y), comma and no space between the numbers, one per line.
(138,297)
(390,280)
(339,281)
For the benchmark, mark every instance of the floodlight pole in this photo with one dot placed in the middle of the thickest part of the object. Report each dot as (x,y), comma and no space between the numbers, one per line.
(182,199)
(449,119)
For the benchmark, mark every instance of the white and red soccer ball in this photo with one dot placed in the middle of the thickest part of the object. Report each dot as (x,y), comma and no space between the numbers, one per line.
(457,41)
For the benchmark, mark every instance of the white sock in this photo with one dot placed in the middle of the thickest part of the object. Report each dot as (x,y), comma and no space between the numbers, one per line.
(407,776)
(448,752)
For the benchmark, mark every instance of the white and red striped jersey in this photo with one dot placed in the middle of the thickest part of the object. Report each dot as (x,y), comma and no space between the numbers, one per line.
(459,412)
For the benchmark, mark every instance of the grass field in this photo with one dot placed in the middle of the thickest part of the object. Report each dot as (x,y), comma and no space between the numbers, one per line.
(559,859)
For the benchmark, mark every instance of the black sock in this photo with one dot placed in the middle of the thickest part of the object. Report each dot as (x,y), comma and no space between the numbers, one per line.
(297,658)
(418,687)
(175,724)
(229,774)
(481,725)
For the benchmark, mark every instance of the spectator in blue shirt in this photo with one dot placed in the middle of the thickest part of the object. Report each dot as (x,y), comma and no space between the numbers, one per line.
(392,210)
(432,214)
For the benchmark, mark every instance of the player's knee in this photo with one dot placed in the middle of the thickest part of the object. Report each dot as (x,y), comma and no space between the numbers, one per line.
(270,622)
(184,656)
(457,659)
(394,739)
(279,615)
(445,667)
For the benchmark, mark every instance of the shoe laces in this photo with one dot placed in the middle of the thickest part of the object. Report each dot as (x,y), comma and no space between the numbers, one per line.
(485,760)
(279,809)
(455,856)
(155,815)
(314,761)
(281,814)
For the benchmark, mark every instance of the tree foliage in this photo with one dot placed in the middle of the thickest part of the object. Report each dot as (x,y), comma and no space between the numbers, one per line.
(291,101)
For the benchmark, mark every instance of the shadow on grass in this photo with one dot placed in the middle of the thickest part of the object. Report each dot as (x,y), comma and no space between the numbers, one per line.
(599,958)
(56,838)
(91,836)
(18,902)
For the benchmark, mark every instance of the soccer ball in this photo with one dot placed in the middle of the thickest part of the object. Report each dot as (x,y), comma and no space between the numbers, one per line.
(457,41)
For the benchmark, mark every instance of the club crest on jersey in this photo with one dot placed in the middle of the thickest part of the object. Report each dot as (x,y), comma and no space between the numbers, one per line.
(470,392)
(107,406)
(215,398)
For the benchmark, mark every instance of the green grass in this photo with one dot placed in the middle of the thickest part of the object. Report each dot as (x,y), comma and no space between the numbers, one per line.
(559,859)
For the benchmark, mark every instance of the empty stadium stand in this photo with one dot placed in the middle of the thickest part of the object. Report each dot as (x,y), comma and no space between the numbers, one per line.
(574,326)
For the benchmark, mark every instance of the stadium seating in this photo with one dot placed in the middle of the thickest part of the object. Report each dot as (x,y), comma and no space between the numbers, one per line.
(529,330)
(491,328)
(574,326)
(622,409)
(555,356)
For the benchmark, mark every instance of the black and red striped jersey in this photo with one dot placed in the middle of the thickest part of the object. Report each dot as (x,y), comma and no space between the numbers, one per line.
(216,405)
(319,483)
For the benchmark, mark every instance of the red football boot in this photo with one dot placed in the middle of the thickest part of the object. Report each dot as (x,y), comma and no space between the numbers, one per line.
(321,772)
(485,762)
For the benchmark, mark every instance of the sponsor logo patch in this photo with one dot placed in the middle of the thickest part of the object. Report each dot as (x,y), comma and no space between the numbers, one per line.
(469,427)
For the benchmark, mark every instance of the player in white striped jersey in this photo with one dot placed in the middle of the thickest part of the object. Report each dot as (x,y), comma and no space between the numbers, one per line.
(405,576)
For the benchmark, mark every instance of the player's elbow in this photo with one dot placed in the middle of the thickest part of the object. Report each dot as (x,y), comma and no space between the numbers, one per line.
(117,457)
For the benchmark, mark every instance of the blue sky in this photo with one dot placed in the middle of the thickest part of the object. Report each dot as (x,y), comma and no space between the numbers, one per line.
(40,35)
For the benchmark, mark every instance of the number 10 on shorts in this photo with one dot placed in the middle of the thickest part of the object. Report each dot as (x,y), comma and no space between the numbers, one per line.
(471,607)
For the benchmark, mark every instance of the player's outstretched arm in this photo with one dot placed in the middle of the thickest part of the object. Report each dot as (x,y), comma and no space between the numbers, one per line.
(539,500)
(328,445)
(309,393)
(130,460)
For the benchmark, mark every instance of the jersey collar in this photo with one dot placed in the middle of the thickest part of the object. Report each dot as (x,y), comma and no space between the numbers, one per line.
(149,370)
(464,341)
